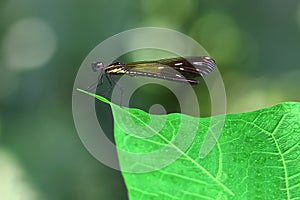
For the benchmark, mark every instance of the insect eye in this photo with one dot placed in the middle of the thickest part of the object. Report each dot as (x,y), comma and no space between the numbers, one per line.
(96,66)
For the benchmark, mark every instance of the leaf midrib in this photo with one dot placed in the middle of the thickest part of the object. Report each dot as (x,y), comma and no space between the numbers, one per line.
(187,156)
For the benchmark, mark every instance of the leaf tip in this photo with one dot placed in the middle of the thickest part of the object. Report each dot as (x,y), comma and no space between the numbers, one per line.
(104,100)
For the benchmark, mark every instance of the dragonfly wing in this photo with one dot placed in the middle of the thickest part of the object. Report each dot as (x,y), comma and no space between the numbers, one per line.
(182,69)
(191,66)
(157,70)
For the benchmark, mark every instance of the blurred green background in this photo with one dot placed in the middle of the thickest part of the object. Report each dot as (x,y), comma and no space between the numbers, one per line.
(256,45)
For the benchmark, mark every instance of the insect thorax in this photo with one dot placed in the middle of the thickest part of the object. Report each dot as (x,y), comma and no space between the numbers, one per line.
(116,68)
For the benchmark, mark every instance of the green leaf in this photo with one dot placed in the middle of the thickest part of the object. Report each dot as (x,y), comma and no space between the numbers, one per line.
(257,155)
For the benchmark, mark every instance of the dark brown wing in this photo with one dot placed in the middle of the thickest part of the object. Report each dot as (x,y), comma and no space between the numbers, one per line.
(156,70)
(176,69)
(191,66)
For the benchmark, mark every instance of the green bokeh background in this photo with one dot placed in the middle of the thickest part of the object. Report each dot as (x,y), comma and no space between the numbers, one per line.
(256,45)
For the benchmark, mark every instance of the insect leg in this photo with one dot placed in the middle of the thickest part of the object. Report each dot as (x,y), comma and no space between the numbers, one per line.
(119,86)
(109,79)
(95,84)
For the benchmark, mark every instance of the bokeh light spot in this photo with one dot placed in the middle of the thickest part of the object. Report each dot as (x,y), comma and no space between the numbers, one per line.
(168,10)
(29,43)
(220,35)
(13,184)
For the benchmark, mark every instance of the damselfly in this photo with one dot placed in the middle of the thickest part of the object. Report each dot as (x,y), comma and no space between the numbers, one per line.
(175,69)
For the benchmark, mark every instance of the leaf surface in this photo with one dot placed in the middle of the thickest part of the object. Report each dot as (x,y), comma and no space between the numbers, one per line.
(257,155)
